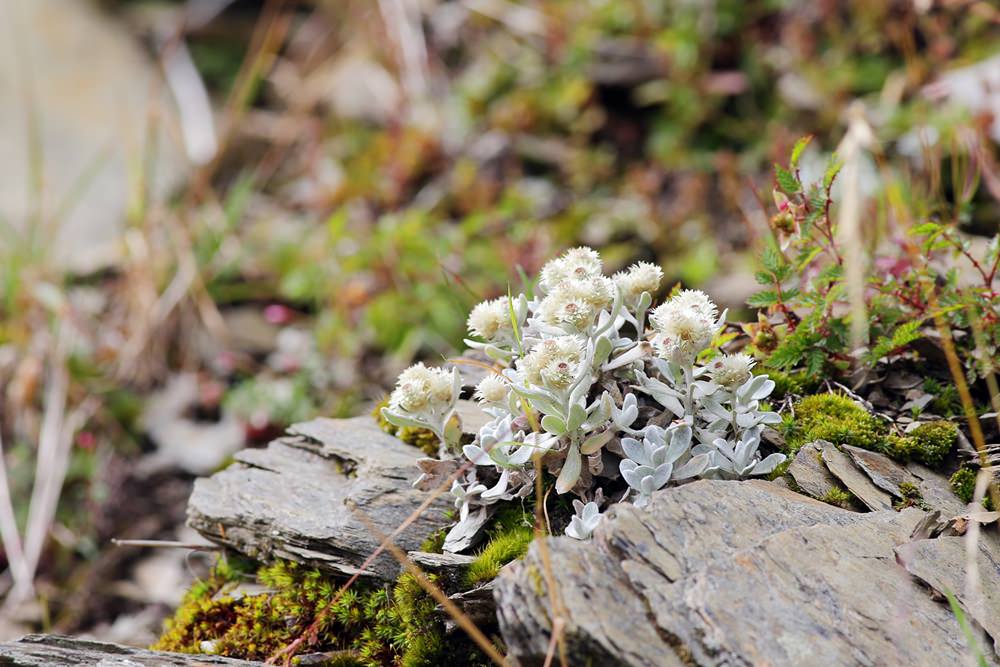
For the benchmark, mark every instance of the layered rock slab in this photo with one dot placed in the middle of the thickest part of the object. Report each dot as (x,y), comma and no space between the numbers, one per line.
(727,573)
(56,651)
(313,497)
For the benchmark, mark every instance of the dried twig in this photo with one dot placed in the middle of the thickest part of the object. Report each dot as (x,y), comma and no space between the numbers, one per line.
(11,536)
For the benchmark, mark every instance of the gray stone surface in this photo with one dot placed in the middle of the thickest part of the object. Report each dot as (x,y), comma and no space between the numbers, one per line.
(936,491)
(730,573)
(942,563)
(291,500)
(884,473)
(92,88)
(857,482)
(56,651)
(809,471)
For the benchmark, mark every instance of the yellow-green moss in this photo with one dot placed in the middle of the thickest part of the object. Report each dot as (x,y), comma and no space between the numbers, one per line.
(963,484)
(422,438)
(838,497)
(933,440)
(366,626)
(509,536)
(835,418)
(838,419)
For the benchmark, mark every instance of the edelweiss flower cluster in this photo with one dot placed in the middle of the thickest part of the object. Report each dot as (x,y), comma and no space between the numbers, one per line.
(576,367)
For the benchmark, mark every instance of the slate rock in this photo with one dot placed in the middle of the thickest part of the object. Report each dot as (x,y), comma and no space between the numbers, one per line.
(935,490)
(57,651)
(942,563)
(729,573)
(809,471)
(857,482)
(290,500)
(884,473)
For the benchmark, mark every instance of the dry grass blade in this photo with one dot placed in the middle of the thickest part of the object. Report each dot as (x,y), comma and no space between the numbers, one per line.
(463,621)
(12,546)
(558,612)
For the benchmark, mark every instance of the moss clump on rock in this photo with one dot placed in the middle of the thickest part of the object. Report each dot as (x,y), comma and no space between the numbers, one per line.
(789,383)
(363,626)
(509,538)
(963,484)
(840,420)
(932,441)
(835,418)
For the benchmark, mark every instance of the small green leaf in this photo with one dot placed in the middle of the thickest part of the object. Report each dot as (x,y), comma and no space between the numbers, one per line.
(832,169)
(800,146)
(786,180)
(553,424)
(577,415)
(763,299)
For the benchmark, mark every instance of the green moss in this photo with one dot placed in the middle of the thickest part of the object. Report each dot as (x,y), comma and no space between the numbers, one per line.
(932,441)
(911,497)
(963,483)
(364,626)
(836,418)
(838,497)
(422,438)
(790,383)
(509,537)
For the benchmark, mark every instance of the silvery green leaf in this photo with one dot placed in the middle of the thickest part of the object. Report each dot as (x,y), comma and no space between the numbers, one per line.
(645,300)
(499,488)
(713,407)
(570,473)
(629,412)
(755,389)
(595,442)
(768,465)
(521,455)
(655,435)
(678,446)
(577,415)
(723,446)
(768,418)
(746,420)
(694,467)
(634,450)
(703,389)
(646,486)
(662,475)
(599,413)
(633,474)
(553,424)
(661,393)
(397,419)
(477,455)
(602,350)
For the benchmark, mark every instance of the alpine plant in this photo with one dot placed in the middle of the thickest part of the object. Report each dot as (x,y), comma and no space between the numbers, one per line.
(614,398)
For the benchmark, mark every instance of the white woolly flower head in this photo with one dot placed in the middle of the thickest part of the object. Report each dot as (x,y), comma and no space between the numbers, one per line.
(420,388)
(576,302)
(554,362)
(696,301)
(492,389)
(638,278)
(731,370)
(491,318)
(574,264)
(684,325)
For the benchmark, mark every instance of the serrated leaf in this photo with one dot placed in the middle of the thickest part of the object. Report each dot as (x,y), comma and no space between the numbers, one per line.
(800,146)
(832,169)
(763,299)
(785,179)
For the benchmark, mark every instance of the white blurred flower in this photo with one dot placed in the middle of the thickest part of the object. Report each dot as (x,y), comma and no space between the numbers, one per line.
(492,389)
(420,388)
(638,278)
(553,363)
(684,325)
(731,370)
(491,318)
(574,264)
